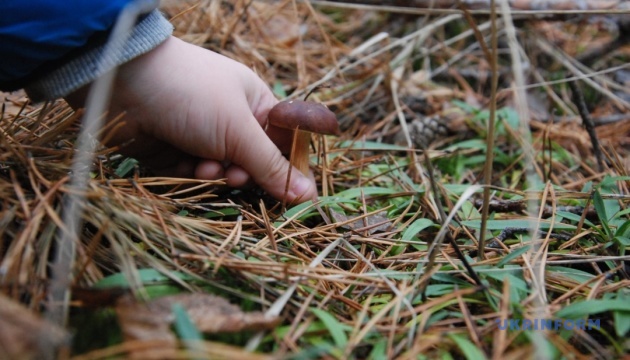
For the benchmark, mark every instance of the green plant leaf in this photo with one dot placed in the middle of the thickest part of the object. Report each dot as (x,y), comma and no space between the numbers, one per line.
(465,107)
(221,213)
(622,240)
(397,249)
(355,193)
(518,286)
(379,350)
(510,117)
(370,145)
(516,223)
(513,255)
(595,306)
(278,90)
(416,227)
(609,186)
(439,289)
(468,211)
(621,213)
(335,328)
(457,189)
(600,209)
(624,229)
(475,144)
(323,201)
(408,181)
(574,217)
(622,318)
(146,276)
(575,274)
(126,166)
(185,328)
(622,322)
(468,348)
(613,179)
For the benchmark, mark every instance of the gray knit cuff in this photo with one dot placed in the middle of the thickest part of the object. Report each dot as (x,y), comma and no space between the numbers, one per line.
(146,35)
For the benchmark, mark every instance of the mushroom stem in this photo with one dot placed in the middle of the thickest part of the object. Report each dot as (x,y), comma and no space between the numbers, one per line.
(299,154)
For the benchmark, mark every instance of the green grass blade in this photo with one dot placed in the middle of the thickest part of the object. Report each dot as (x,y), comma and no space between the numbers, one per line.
(186,329)
(322,201)
(335,328)
(516,223)
(355,193)
(622,322)
(622,240)
(416,227)
(470,350)
(370,145)
(126,166)
(590,307)
(513,255)
(146,276)
(600,209)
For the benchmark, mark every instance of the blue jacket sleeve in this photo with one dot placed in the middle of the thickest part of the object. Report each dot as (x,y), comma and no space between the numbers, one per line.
(35,32)
(39,37)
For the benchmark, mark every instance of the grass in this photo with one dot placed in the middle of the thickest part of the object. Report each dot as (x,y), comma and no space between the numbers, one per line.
(376,268)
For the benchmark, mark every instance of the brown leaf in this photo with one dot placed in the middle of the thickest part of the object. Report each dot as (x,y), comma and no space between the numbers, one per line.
(24,335)
(13,102)
(212,314)
(372,223)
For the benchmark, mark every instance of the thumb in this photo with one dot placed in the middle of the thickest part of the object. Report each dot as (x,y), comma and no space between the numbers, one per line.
(260,157)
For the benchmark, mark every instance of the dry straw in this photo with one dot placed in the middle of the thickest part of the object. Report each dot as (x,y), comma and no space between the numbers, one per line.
(381,69)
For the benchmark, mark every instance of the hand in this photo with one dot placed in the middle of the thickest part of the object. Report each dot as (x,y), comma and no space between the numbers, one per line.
(191,112)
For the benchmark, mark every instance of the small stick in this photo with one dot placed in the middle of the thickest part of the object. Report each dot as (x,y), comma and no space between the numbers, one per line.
(587,122)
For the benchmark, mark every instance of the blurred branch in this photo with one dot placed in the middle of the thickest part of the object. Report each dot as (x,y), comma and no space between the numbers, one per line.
(519,7)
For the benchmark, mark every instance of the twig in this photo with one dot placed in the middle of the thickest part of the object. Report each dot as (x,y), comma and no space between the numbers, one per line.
(438,241)
(444,223)
(580,71)
(487,170)
(518,206)
(510,232)
(598,7)
(587,122)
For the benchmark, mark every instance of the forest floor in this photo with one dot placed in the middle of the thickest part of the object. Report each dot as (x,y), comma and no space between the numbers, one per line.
(474,206)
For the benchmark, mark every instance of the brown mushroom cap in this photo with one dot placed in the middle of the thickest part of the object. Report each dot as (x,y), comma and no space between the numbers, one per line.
(304,115)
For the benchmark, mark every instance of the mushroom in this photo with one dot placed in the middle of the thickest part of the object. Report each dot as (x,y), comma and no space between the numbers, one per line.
(304,117)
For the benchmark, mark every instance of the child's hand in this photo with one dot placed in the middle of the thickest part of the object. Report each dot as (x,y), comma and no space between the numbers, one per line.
(194,113)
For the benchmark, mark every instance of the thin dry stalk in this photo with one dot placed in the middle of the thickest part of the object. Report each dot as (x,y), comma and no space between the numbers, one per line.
(361,252)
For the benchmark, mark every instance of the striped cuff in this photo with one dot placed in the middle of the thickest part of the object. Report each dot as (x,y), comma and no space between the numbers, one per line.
(84,69)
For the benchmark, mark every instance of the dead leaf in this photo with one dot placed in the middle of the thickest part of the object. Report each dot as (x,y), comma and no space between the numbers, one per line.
(212,314)
(371,223)
(24,335)
(143,322)
(13,102)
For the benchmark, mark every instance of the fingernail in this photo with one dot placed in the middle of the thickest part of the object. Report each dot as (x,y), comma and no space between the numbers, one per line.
(300,185)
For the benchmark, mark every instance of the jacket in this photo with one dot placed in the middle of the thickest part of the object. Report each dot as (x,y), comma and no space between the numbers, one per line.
(52,47)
